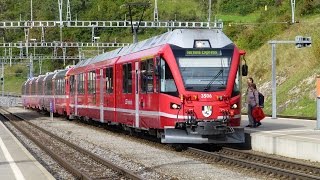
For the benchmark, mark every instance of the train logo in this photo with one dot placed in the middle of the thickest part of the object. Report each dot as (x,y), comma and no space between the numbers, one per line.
(206,111)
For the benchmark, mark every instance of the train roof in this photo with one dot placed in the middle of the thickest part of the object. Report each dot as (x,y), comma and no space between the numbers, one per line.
(49,77)
(60,74)
(184,38)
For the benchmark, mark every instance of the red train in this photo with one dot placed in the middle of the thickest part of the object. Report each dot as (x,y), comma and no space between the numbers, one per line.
(183,86)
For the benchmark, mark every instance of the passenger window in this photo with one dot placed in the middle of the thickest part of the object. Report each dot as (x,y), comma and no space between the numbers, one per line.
(127,78)
(91,82)
(80,83)
(72,85)
(109,80)
(146,75)
(168,85)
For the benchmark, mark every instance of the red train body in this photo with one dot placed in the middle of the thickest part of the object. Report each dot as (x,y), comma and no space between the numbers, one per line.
(183,86)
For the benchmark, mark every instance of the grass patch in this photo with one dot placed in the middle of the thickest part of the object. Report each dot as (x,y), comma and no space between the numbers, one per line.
(305,107)
(239,18)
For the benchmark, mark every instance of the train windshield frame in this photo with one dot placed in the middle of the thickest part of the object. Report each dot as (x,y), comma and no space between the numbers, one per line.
(204,70)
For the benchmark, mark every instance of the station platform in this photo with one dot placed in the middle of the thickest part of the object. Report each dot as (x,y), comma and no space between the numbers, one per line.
(15,160)
(294,138)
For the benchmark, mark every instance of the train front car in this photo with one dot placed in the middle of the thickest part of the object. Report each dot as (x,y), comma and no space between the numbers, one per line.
(201,81)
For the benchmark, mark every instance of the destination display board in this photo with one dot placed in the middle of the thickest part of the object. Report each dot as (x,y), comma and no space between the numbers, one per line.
(196,52)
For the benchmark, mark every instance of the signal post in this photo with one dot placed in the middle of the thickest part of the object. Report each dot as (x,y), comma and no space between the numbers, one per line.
(300,42)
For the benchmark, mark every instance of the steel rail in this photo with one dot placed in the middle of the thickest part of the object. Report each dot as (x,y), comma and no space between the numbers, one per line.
(297,166)
(73,170)
(248,163)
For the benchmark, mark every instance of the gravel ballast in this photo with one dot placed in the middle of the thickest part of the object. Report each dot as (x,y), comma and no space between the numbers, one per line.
(149,160)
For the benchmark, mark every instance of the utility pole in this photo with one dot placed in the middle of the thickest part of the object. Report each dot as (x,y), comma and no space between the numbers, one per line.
(60,16)
(293,5)
(31,16)
(155,13)
(26,33)
(2,78)
(68,11)
(300,42)
(42,35)
(209,11)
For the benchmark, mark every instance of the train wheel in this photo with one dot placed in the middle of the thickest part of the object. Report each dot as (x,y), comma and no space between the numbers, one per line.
(179,147)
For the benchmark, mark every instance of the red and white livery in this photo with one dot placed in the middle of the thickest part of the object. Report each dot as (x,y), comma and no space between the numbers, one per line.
(183,86)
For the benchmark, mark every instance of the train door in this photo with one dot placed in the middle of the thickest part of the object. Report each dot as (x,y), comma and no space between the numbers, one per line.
(137,101)
(109,97)
(93,111)
(100,90)
(148,94)
(125,95)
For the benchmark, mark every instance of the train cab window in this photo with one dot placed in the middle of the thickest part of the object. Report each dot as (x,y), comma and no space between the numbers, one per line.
(80,83)
(91,82)
(109,80)
(127,78)
(236,86)
(167,84)
(146,75)
(72,85)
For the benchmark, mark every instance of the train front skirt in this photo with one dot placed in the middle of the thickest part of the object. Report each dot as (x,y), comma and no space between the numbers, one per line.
(172,135)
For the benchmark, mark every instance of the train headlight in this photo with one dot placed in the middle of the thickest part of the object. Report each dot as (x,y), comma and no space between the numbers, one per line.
(234,106)
(201,44)
(174,106)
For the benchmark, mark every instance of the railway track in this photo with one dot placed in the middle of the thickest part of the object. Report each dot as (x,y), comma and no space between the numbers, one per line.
(78,161)
(258,163)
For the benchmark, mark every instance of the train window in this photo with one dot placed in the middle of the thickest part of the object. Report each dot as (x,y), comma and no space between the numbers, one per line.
(91,82)
(27,89)
(72,85)
(146,75)
(109,80)
(33,90)
(59,87)
(168,85)
(39,88)
(56,86)
(236,86)
(63,86)
(48,87)
(81,83)
(127,78)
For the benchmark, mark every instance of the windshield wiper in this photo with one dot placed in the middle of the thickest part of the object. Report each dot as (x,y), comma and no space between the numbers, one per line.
(213,79)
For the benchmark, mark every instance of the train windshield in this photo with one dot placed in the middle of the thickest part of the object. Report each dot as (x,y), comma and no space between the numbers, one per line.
(204,73)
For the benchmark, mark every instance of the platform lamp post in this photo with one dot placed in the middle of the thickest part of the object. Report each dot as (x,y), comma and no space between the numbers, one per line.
(300,42)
